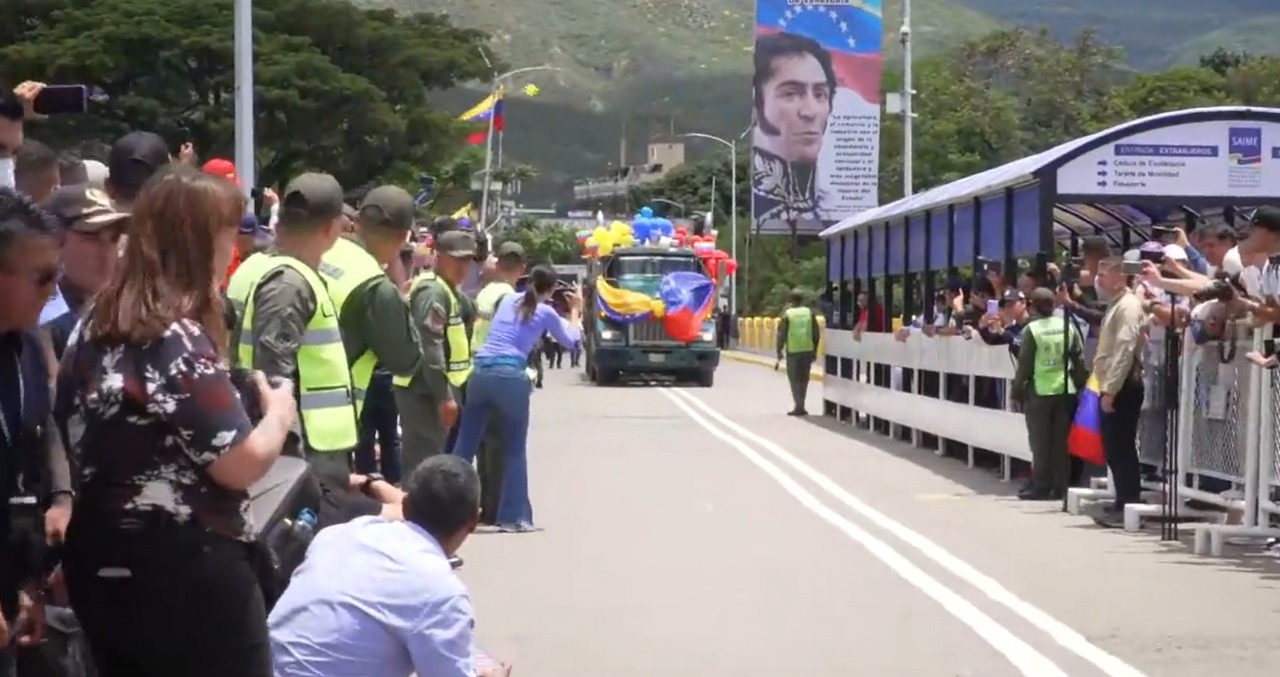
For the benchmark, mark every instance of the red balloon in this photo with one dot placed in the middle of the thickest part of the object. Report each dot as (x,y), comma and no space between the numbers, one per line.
(681,230)
(730,266)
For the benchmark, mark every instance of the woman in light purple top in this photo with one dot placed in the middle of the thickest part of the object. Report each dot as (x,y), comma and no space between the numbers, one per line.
(499,387)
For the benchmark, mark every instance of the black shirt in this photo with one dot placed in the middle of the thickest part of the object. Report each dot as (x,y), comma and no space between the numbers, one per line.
(24,409)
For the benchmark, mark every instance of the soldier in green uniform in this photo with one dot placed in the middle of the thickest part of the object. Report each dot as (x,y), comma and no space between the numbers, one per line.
(428,401)
(798,340)
(288,327)
(376,329)
(1050,372)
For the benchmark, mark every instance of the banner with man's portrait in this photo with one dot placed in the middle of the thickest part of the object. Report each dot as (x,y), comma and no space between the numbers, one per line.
(816,101)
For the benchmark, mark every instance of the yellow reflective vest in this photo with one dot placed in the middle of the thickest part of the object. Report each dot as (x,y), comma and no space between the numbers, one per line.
(345,267)
(457,346)
(325,400)
(800,338)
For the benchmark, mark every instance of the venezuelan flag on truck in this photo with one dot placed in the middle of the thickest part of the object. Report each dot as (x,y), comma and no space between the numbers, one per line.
(1085,440)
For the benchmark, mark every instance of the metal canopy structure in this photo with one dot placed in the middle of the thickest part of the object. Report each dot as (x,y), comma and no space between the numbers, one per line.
(1117,182)
(1182,168)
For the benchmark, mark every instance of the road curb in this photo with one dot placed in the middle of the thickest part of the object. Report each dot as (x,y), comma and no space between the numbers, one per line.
(760,361)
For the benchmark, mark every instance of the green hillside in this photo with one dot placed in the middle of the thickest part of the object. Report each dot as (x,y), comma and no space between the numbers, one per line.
(643,66)
(1155,34)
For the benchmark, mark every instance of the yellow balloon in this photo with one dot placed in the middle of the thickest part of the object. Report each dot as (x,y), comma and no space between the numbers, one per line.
(600,233)
(605,248)
(592,241)
(627,240)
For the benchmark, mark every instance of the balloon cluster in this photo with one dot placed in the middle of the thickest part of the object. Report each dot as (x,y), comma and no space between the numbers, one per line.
(655,231)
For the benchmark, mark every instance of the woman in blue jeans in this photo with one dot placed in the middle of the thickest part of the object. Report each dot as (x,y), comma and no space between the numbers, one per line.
(499,386)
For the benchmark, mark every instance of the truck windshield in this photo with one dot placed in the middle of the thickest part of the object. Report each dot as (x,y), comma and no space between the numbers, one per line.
(656,266)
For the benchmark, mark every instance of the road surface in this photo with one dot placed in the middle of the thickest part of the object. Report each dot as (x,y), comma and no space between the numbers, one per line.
(703,532)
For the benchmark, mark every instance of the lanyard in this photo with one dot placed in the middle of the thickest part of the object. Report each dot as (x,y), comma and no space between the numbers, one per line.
(22,397)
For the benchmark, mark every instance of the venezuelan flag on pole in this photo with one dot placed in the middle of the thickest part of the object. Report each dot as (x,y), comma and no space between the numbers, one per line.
(1085,439)
(489,108)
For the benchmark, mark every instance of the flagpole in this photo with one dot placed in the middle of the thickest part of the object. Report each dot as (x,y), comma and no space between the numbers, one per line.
(495,90)
(488,161)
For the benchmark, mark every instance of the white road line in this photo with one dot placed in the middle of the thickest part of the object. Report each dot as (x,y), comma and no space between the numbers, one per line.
(1057,630)
(1023,656)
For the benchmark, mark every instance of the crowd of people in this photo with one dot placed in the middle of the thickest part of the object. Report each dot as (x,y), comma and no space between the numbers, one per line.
(170,338)
(1110,315)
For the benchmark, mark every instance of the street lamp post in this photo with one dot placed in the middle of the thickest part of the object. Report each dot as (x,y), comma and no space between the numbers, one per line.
(243,46)
(733,207)
(495,86)
(673,203)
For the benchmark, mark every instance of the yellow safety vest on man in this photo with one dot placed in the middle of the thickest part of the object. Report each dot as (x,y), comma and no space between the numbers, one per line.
(246,278)
(325,399)
(345,267)
(800,338)
(1052,343)
(457,347)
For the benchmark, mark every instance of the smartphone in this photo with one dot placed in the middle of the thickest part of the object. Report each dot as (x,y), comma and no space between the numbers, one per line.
(259,203)
(1165,234)
(1131,268)
(62,99)
(991,266)
(1154,257)
(993,306)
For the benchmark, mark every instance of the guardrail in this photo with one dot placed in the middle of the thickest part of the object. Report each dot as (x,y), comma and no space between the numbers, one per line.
(951,394)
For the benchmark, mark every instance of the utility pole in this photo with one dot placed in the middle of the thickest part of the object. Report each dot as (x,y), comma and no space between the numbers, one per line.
(908,116)
(243,46)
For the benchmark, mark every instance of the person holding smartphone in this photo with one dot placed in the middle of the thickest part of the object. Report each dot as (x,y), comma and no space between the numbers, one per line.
(162,566)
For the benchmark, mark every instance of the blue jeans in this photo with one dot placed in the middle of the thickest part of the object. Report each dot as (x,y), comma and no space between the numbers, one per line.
(501,391)
(379,420)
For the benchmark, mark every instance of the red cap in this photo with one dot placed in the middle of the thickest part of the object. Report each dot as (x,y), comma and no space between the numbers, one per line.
(223,168)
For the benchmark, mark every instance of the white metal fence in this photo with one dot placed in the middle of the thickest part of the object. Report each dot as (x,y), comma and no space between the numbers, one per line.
(1227,413)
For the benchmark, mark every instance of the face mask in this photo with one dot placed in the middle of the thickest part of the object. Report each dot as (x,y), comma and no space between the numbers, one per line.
(7,179)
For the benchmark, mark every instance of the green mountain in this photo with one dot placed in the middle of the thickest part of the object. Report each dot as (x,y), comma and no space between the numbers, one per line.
(629,69)
(1155,34)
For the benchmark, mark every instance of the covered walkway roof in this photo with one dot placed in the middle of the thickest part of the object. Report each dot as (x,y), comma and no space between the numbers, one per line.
(1035,169)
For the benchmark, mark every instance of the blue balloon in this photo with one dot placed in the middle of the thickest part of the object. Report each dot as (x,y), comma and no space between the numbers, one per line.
(646,213)
(663,226)
(640,229)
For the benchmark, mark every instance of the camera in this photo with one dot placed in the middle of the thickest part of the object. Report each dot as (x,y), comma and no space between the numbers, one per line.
(1071,271)
(1222,288)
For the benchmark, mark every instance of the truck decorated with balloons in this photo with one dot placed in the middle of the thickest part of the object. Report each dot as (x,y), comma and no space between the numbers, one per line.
(651,297)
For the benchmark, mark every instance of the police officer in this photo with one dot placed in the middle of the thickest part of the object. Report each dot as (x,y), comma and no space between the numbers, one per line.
(1050,372)
(33,463)
(376,329)
(429,401)
(798,339)
(288,327)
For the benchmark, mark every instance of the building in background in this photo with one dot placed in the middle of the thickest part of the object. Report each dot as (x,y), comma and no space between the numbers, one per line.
(664,154)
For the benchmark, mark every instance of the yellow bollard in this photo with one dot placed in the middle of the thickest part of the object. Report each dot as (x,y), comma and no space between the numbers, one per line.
(822,333)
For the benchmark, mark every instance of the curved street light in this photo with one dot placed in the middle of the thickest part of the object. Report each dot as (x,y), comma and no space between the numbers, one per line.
(673,203)
(495,85)
(733,206)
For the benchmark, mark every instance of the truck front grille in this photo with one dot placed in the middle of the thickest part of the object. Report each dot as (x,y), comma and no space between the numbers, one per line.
(649,332)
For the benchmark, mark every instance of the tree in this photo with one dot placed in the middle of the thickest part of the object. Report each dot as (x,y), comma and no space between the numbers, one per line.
(543,242)
(337,88)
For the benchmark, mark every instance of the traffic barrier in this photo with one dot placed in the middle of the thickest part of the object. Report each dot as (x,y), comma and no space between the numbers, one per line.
(760,335)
